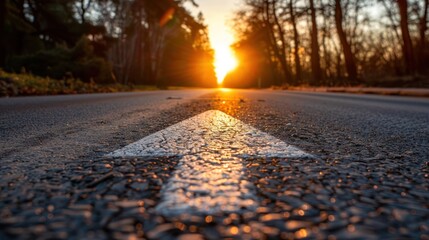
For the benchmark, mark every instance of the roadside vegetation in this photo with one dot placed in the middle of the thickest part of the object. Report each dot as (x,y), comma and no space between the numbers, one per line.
(83,46)
(76,46)
(25,84)
(292,43)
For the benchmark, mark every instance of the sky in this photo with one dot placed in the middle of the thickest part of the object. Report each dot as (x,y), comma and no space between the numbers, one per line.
(216,14)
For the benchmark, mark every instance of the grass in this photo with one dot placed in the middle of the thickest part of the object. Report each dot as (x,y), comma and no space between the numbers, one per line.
(23,84)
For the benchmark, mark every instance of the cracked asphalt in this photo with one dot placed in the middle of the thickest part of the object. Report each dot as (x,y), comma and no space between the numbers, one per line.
(369,178)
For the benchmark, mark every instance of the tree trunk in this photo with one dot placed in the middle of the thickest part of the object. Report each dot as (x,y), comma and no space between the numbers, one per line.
(316,70)
(138,76)
(327,73)
(159,54)
(273,64)
(82,11)
(338,70)
(422,32)
(2,32)
(296,44)
(147,61)
(407,45)
(280,51)
(347,51)
(391,18)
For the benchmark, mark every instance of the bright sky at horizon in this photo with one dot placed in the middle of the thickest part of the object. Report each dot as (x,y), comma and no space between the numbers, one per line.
(217,13)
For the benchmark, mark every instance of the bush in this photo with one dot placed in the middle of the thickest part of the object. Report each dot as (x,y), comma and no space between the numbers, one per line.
(60,63)
(27,84)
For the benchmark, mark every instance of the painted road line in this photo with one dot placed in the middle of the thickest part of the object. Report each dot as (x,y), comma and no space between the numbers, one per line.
(207,184)
(210,175)
(211,131)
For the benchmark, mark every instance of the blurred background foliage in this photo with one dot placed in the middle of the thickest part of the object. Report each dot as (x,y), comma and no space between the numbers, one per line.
(129,42)
(25,84)
(381,43)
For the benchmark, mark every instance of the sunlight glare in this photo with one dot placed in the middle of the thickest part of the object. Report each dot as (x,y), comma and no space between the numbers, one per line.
(225,90)
(225,61)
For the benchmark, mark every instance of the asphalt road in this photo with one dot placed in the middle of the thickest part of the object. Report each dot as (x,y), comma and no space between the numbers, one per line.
(369,177)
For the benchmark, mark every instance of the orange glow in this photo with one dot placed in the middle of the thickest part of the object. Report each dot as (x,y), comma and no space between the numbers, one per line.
(225,61)
(217,15)
(225,90)
(234,230)
(168,15)
(302,233)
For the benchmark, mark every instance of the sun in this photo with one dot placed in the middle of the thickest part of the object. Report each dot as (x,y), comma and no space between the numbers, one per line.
(225,62)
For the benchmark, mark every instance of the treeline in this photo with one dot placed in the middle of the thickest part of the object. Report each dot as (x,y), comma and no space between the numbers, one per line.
(139,42)
(331,43)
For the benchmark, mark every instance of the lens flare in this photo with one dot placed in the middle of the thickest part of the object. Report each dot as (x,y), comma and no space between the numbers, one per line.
(168,15)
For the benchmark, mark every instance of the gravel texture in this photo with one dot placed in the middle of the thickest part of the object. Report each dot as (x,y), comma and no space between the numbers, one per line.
(209,177)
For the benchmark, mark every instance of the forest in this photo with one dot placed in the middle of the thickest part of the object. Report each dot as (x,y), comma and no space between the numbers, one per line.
(129,42)
(160,43)
(331,43)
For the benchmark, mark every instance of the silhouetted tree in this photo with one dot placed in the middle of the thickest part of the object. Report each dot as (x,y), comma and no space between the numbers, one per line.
(334,42)
(125,39)
(139,52)
(423,27)
(407,45)
(2,32)
(82,7)
(347,50)
(296,41)
(277,36)
(315,56)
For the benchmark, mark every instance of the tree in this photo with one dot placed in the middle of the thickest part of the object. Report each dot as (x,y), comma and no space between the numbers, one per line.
(188,58)
(347,50)
(277,36)
(256,49)
(126,36)
(334,42)
(82,8)
(315,55)
(423,20)
(407,45)
(2,32)
(296,41)
(141,31)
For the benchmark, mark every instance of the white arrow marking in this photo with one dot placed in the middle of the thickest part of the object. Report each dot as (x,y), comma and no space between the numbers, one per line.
(210,175)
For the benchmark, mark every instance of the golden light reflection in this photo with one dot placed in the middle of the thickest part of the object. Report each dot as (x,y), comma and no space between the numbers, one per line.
(209,219)
(302,233)
(234,230)
(225,90)
(225,61)
(180,226)
(247,229)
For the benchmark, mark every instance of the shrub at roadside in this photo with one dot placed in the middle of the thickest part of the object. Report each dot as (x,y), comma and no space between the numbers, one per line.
(26,84)
(62,62)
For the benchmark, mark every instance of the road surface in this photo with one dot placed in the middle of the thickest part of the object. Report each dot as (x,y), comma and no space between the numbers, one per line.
(367,175)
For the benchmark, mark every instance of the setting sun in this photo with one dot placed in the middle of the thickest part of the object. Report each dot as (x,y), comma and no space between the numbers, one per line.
(217,13)
(225,62)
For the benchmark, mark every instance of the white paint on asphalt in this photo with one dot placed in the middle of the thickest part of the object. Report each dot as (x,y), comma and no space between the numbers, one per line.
(210,175)
(207,184)
(211,131)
